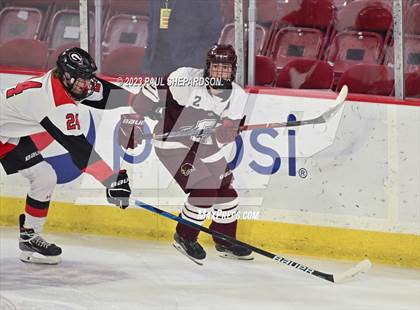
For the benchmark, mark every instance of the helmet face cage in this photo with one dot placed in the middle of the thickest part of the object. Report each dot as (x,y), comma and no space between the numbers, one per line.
(223,54)
(76,69)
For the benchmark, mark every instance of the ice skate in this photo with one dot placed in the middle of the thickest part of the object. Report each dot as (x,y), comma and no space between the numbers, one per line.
(190,248)
(34,248)
(234,252)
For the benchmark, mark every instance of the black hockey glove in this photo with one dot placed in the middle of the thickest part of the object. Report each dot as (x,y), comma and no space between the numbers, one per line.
(118,189)
(130,133)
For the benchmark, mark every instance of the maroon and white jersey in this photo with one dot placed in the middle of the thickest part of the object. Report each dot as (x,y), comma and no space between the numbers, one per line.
(194,107)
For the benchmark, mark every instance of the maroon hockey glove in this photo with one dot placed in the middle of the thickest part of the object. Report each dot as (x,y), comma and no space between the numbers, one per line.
(228,131)
(118,189)
(147,102)
(131,133)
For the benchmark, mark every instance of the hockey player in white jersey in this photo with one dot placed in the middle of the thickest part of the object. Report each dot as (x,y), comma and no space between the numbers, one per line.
(50,103)
(198,163)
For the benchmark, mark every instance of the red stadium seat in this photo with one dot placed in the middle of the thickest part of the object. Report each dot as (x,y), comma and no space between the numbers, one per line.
(411,53)
(27,53)
(126,60)
(341,3)
(365,15)
(307,13)
(125,30)
(52,58)
(412,40)
(20,22)
(412,19)
(65,28)
(412,85)
(292,42)
(126,24)
(368,79)
(137,7)
(227,36)
(44,6)
(301,31)
(305,74)
(363,28)
(265,71)
(267,11)
(351,47)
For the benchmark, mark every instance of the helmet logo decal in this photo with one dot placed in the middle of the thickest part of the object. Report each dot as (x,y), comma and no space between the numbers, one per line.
(76,57)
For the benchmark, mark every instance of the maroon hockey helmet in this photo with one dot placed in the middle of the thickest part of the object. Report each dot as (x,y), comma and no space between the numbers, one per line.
(222,53)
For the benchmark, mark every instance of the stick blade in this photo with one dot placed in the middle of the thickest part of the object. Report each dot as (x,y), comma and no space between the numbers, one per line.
(339,103)
(361,268)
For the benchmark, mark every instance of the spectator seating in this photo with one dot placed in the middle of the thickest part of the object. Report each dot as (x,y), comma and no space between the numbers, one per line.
(412,82)
(301,73)
(301,31)
(65,28)
(20,22)
(123,61)
(412,41)
(362,31)
(303,41)
(411,53)
(227,36)
(267,11)
(25,19)
(265,71)
(52,57)
(14,53)
(125,30)
(368,79)
(126,24)
(341,3)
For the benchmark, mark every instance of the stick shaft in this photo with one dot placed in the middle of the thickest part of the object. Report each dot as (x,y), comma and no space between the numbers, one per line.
(181,134)
(279,259)
(323,118)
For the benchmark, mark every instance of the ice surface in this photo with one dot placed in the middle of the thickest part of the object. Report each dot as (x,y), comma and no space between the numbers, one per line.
(113,273)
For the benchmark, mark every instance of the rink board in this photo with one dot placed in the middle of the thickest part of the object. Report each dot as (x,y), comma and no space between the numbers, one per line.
(282,238)
(346,190)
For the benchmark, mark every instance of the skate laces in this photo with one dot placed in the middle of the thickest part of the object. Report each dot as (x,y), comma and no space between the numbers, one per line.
(39,241)
(195,245)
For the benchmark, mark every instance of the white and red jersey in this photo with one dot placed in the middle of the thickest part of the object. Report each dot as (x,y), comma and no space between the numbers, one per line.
(194,107)
(24,106)
(42,104)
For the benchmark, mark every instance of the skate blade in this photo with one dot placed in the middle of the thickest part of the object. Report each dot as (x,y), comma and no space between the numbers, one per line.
(235,257)
(36,258)
(181,250)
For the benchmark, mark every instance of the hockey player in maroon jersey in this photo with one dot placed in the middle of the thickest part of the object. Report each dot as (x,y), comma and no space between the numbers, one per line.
(198,163)
(50,103)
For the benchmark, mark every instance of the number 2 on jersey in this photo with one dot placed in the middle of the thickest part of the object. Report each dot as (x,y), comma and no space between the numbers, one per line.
(73,121)
(21,87)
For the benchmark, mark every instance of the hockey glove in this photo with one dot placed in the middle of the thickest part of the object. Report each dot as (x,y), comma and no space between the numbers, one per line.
(118,189)
(130,133)
(147,102)
(228,131)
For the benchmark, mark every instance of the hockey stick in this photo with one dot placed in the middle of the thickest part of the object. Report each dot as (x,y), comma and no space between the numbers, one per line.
(323,118)
(360,268)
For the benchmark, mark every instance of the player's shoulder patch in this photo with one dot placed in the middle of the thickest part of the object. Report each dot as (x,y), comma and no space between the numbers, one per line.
(60,94)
